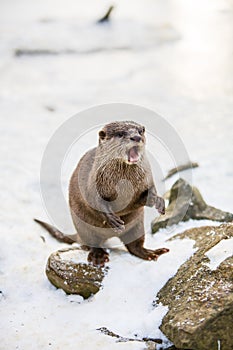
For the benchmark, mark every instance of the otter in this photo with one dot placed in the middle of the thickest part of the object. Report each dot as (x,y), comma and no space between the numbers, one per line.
(108,191)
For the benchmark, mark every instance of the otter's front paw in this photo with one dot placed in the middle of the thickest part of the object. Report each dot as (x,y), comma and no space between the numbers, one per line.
(160,205)
(115,222)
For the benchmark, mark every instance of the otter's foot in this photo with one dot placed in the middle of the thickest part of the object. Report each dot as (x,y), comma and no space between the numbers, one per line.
(136,248)
(98,256)
(148,254)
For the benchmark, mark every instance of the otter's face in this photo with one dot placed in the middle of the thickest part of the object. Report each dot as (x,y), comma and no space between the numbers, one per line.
(124,140)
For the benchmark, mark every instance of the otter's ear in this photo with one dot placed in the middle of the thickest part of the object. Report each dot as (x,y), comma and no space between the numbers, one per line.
(142,130)
(102,134)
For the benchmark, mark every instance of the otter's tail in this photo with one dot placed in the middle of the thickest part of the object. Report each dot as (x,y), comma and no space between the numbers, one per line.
(61,237)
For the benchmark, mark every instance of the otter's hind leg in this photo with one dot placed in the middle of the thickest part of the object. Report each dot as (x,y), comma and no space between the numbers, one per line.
(98,256)
(136,248)
(134,242)
(93,243)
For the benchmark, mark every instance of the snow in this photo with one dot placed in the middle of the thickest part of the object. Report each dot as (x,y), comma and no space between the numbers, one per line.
(171,57)
(219,253)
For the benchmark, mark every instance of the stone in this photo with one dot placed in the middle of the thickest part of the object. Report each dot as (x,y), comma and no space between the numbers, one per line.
(200,297)
(67,269)
(186,202)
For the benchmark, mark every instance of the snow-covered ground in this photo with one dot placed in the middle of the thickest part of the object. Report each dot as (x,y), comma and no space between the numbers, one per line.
(174,57)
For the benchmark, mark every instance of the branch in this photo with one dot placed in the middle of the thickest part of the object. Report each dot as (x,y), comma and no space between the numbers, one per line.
(106,17)
(105,331)
(180,168)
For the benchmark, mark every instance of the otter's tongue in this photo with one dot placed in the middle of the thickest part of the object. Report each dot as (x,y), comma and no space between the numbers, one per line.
(133,155)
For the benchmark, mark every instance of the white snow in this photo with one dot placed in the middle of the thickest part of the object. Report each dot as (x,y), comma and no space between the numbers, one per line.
(172,57)
(219,253)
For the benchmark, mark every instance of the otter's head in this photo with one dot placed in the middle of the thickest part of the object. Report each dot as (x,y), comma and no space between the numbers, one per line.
(124,141)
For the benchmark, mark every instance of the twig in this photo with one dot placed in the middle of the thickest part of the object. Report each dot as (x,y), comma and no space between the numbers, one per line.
(43,239)
(44,52)
(105,331)
(39,52)
(180,168)
(106,17)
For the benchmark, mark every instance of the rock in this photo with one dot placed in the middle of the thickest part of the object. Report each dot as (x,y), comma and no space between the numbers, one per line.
(68,270)
(200,297)
(186,202)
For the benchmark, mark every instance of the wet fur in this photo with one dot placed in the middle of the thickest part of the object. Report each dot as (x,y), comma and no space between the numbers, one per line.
(100,187)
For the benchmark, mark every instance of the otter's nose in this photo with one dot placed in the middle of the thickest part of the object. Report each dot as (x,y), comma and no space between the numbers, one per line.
(136,138)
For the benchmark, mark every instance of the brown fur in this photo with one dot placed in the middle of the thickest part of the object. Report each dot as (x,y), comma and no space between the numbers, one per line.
(108,192)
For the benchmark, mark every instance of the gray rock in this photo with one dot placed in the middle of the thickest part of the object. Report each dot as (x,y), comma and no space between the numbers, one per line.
(200,299)
(66,272)
(186,202)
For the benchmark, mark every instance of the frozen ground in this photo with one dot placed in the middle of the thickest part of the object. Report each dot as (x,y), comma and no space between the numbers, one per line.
(171,56)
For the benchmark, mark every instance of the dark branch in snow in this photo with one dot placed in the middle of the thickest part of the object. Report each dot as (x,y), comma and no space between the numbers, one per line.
(106,17)
(45,52)
(105,331)
(180,168)
(39,52)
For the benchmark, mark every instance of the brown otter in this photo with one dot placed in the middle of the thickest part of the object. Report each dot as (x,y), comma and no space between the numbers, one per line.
(108,191)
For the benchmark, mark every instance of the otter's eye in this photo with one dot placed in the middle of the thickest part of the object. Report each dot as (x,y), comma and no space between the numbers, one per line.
(120,134)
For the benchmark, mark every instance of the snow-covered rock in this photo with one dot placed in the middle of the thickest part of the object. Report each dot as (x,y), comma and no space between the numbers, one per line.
(186,202)
(199,296)
(67,270)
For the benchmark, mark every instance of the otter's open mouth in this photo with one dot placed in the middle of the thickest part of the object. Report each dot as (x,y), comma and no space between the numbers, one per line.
(133,155)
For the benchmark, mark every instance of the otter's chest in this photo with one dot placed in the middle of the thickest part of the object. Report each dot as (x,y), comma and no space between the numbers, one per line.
(126,188)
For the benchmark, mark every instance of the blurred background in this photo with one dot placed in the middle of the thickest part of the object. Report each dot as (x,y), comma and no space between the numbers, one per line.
(172,56)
